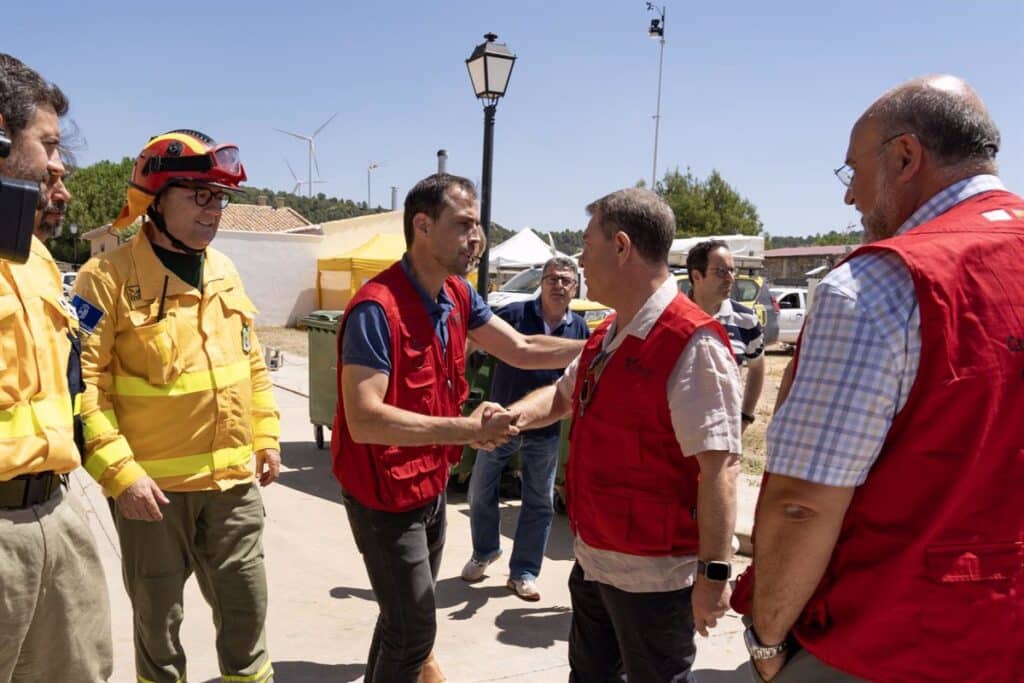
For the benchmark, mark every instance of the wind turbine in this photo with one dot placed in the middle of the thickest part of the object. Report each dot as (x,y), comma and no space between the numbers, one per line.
(300,183)
(312,151)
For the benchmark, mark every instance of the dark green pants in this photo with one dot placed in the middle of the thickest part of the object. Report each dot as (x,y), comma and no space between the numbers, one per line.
(218,536)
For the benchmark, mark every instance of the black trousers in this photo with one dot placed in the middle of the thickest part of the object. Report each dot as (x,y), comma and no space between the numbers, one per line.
(636,637)
(402,554)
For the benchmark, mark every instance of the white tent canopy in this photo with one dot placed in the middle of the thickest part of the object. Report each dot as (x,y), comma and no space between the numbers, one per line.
(522,250)
(747,250)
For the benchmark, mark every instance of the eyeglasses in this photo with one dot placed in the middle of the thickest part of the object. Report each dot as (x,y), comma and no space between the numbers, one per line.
(590,378)
(845,172)
(723,272)
(557,280)
(202,196)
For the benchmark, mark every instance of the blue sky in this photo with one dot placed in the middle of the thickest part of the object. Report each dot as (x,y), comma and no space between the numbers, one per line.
(764,92)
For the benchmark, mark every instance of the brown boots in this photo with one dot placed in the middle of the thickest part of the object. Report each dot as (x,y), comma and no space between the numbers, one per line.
(431,672)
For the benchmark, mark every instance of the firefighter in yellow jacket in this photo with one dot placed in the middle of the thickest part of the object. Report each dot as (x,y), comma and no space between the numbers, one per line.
(54,609)
(177,402)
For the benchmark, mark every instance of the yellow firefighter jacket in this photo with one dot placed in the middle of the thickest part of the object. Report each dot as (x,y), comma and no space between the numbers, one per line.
(177,390)
(36,429)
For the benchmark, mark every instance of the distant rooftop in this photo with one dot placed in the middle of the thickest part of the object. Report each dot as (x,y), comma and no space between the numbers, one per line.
(833,250)
(247,218)
(261,218)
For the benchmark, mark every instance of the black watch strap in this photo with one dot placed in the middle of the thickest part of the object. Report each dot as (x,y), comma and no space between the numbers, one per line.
(747,417)
(714,570)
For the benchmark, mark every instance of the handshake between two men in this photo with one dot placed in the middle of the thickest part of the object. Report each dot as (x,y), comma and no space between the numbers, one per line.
(496,424)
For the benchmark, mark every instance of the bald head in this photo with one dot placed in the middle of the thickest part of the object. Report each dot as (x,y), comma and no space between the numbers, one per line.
(946,115)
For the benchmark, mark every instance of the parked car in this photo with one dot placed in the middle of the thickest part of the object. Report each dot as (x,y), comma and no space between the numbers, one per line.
(792,311)
(751,291)
(526,285)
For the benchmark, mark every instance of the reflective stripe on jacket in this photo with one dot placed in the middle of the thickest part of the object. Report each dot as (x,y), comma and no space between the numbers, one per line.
(36,433)
(176,385)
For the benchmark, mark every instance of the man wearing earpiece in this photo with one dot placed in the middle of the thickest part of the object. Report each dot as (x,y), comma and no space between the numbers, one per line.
(54,609)
(177,403)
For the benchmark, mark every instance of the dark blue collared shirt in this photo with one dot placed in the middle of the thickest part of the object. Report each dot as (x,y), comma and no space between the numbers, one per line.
(367,339)
(511,384)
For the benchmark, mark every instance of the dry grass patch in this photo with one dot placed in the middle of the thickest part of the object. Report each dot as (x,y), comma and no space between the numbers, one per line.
(754,437)
(288,339)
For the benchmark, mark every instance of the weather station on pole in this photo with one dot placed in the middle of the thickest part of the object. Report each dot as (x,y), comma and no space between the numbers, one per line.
(657,30)
(490,67)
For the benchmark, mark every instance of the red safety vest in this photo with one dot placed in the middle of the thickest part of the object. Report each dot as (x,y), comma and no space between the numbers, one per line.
(424,379)
(629,487)
(926,582)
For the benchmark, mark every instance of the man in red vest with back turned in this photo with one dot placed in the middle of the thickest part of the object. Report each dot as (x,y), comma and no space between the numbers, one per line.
(654,453)
(889,536)
(401,384)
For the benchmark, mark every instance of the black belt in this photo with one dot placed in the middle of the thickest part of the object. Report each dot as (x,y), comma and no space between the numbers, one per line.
(28,490)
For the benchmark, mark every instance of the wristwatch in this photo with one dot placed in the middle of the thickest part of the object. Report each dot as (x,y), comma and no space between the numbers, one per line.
(747,417)
(714,570)
(759,651)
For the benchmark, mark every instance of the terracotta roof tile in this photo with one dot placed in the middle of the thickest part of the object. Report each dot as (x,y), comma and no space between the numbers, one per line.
(258,218)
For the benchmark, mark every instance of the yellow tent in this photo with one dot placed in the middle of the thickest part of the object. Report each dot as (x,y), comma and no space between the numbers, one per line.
(339,277)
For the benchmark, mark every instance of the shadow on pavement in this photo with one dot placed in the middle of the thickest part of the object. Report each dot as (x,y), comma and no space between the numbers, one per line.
(344,592)
(534,627)
(313,672)
(454,592)
(740,675)
(309,470)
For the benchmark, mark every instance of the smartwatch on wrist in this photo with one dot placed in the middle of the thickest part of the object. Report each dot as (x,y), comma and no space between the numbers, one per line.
(759,651)
(747,418)
(714,570)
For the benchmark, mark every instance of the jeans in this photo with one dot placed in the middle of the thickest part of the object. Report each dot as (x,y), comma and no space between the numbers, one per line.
(618,636)
(539,457)
(402,554)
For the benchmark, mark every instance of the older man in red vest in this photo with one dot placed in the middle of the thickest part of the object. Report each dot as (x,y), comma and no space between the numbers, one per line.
(890,536)
(654,453)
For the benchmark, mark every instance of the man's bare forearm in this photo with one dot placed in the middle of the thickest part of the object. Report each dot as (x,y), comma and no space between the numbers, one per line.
(391,426)
(544,352)
(797,526)
(716,503)
(540,408)
(754,386)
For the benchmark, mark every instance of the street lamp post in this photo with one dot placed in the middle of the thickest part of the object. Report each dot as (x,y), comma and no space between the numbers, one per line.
(490,67)
(73,229)
(372,167)
(657,30)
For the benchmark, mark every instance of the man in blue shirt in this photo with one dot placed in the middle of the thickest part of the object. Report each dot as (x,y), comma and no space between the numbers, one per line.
(548,314)
(402,548)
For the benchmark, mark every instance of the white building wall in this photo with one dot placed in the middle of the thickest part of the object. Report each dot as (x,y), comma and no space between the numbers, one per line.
(279,272)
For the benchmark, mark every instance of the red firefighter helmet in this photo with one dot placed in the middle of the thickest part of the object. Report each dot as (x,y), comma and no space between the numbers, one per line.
(179,155)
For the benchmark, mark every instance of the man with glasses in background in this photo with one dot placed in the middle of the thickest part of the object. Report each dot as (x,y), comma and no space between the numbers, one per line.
(889,531)
(177,402)
(654,454)
(538,449)
(712,274)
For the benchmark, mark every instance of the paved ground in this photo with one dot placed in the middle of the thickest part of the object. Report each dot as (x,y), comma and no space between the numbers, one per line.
(321,607)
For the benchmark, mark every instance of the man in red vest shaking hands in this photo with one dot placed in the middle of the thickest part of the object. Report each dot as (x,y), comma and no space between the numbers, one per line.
(401,385)
(654,454)
(889,536)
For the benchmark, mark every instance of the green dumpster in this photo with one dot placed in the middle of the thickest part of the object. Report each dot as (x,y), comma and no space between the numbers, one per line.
(322,328)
